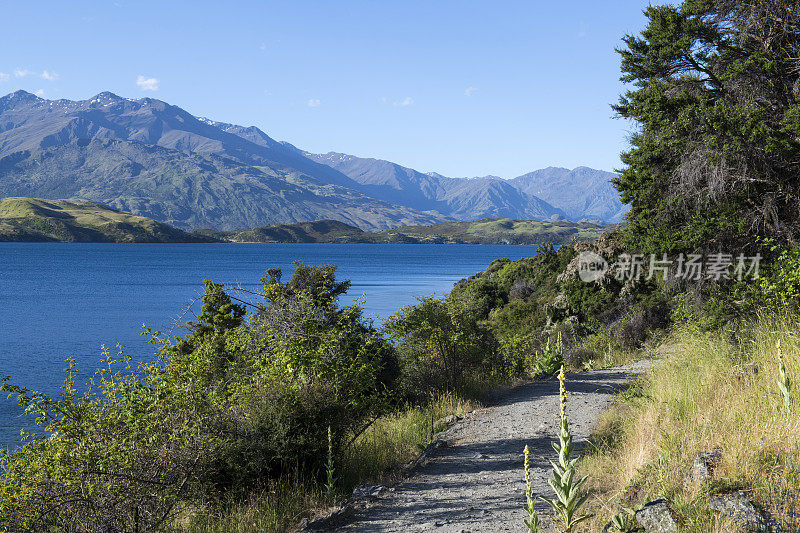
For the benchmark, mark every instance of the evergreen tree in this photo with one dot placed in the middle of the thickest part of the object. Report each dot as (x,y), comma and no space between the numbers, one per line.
(715,156)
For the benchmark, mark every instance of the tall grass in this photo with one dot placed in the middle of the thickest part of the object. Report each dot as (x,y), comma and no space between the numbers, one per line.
(698,401)
(390,441)
(280,507)
(397,438)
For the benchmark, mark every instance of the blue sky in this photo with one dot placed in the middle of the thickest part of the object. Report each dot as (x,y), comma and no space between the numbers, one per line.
(463,88)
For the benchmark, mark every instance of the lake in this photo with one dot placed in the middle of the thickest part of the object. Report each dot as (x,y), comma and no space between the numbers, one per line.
(66,300)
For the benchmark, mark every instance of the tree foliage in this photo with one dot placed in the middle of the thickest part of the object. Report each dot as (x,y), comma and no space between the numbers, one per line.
(715,157)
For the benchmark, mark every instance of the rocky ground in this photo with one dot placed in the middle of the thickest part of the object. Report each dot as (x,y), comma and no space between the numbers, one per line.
(472,481)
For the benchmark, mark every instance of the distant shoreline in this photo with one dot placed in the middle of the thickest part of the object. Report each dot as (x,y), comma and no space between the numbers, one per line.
(35,220)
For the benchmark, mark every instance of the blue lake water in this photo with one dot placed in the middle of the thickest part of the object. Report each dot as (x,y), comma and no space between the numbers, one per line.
(66,300)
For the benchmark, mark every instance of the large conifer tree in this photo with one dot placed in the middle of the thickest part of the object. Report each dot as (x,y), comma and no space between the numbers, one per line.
(715,158)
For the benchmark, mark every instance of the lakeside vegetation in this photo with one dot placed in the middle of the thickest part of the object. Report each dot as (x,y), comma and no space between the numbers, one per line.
(230,424)
(716,391)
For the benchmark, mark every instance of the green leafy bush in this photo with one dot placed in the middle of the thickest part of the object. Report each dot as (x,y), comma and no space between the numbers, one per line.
(236,403)
(780,285)
(439,342)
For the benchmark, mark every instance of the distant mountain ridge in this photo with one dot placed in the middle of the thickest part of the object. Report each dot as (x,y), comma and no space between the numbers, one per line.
(462,199)
(582,193)
(159,161)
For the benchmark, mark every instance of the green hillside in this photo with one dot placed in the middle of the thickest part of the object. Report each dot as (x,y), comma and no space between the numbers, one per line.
(498,231)
(306,232)
(484,231)
(35,220)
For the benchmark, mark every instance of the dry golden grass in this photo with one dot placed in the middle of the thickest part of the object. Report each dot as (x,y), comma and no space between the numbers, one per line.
(694,402)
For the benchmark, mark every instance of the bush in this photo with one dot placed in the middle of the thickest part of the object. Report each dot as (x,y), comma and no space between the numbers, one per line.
(521,290)
(577,357)
(780,286)
(439,342)
(235,404)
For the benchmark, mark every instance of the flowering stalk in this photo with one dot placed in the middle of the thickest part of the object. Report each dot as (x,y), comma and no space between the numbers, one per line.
(532,521)
(784,383)
(568,498)
(330,484)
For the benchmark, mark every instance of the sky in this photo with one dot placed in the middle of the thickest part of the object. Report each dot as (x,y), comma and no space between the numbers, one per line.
(464,88)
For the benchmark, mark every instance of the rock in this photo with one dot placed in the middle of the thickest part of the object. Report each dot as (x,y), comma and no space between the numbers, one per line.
(328,521)
(656,517)
(368,492)
(702,469)
(447,421)
(742,512)
(431,449)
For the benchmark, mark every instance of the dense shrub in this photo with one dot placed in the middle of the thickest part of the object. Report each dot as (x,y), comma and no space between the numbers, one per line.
(578,356)
(439,343)
(221,412)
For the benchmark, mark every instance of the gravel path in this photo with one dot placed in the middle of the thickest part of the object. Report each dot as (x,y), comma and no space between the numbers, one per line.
(475,482)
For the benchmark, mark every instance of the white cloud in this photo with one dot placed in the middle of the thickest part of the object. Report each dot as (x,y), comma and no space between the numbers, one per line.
(49,76)
(4,76)
(21,73)
(581,30)
(405,102)
(147,84)
(39,93)
(263,46)
(469,90)
(314,102)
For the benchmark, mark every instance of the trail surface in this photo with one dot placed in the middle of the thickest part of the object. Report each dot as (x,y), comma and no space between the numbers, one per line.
(475,483)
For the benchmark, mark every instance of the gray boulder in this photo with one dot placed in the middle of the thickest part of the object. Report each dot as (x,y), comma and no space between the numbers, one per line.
(368,492)
(656,517)
(447,421)
(702,470)
(745,370)
(741,511)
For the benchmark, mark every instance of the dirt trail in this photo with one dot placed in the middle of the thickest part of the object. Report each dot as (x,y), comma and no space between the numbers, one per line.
(475,483)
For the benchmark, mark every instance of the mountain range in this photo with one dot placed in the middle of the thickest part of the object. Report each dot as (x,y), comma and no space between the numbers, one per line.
(156,160)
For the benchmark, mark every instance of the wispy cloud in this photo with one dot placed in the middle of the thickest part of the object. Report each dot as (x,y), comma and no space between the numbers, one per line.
(4,76)
(21,73)
(147,84)
(263,46)
(39,93)
(314,102)
(49,75)
(581,30)
(469,91)
(405,102)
